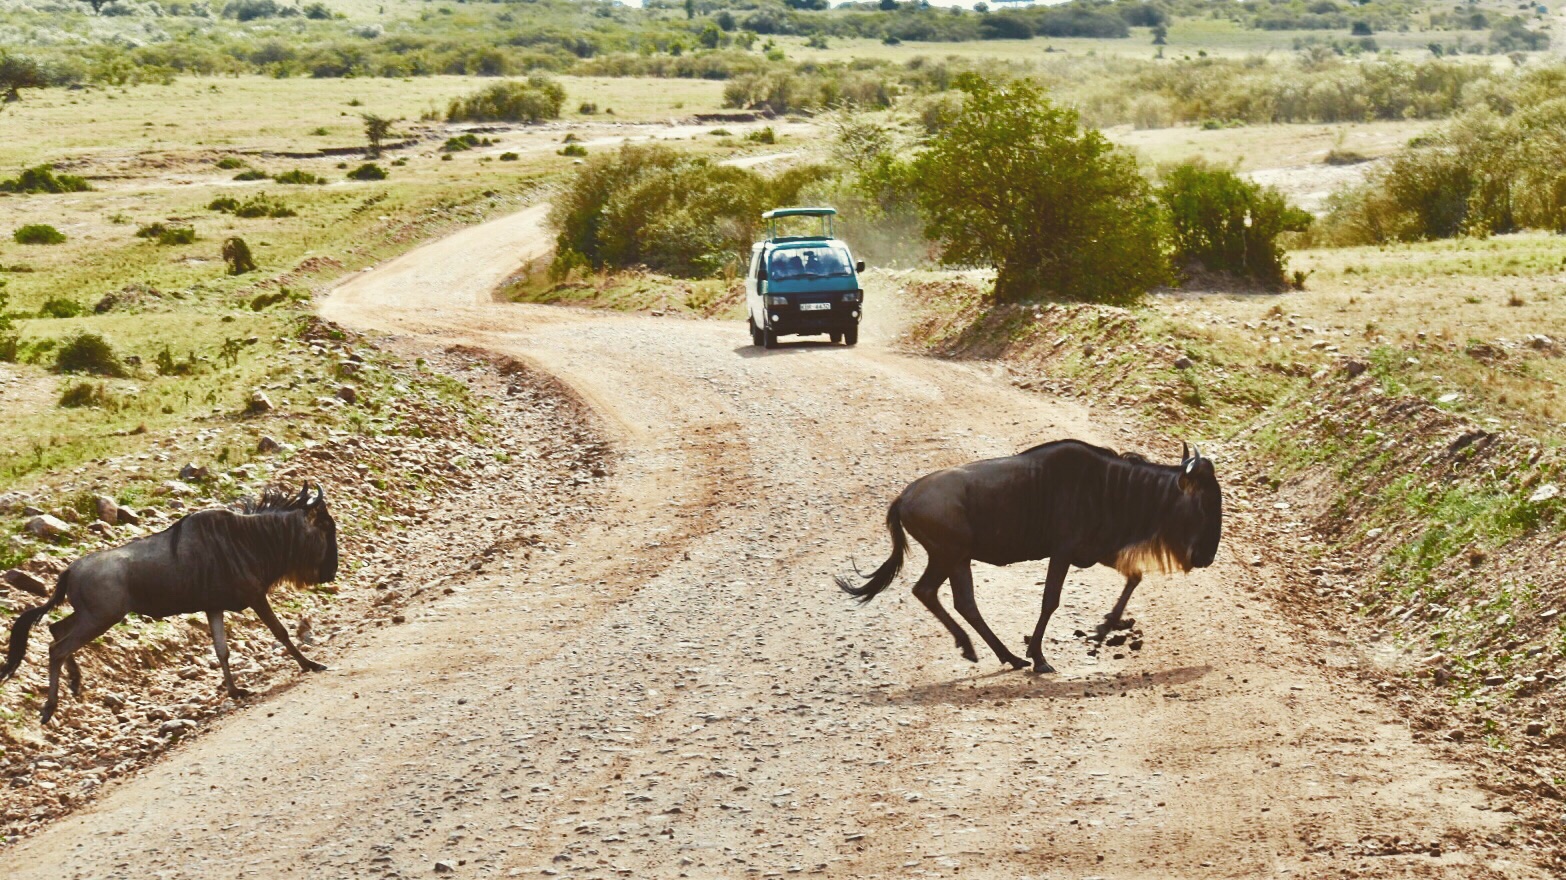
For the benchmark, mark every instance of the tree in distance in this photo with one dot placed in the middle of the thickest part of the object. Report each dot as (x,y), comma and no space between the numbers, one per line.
(1015,183)
(376,130)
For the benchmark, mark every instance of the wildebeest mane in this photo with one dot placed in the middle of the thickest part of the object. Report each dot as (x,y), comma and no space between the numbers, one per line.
(1131,500)
(254,544)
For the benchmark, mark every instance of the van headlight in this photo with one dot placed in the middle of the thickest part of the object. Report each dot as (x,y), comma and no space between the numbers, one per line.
(777,300)
(852,296)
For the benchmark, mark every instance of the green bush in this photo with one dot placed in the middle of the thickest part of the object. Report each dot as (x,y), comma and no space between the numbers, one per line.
(85,394)
(535,100)
(229,163)
(572,150)
(1228,224)
(38,233)
(650,205)
(43,180)
(56,307)
(168,235)
(10,341)
(88,353)
(762,136)
(368,171)
(223,204)
(299,176)
(509,157)
(1016,184)
(251,174)
(464,142)
(262,205)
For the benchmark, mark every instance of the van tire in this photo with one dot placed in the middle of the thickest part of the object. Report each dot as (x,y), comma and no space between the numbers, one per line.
(769,339)
(755,335)
(851,336)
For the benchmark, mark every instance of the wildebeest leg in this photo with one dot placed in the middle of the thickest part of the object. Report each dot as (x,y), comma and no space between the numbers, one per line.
(59,628)
(220,646)
(962,597)
(927,589)
(264,611)
(1053,583)
(1112,619)
(70,634)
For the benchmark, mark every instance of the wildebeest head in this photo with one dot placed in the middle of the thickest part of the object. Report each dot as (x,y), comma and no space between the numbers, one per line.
(315,511)
(1199,524)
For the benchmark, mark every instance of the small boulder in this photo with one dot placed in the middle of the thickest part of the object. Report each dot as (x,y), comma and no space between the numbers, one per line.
(259,403)
(348,394)
(47,527)
(32,510)
(106,508)
(1355,368)
(266,446)
(69,514)
(444,867)
(127,517)
(25,582)
(1182,363)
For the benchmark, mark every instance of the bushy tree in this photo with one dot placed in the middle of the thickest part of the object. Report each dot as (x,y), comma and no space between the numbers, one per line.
(19,72)
(535,100)
(1015,183)
(651,205)
(376,130)
(1227,223)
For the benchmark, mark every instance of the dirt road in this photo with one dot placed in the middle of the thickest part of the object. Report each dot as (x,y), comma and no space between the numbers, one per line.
(682,692)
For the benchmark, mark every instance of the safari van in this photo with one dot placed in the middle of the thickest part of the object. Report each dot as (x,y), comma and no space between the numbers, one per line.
(802,279)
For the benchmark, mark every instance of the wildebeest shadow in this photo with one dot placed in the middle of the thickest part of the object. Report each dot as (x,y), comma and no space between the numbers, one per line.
(1009,685)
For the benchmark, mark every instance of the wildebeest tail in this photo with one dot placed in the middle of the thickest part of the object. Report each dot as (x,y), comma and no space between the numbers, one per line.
(24,625)
(882,577)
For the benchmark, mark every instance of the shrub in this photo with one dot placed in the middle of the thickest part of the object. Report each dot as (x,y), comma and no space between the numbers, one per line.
(509,157)
(762,136)
(368,171)
(223,204)
(84,394)
(572,150)
(229,163)
(1227,223)
(1055,209)
(262,205)
(587,108)
(38,233)
(464,142)
(167,234)
(43,180)
(88,353)
(56,307)
(237,255)
(654,206)
(251,174)
(536,99)
(299,176)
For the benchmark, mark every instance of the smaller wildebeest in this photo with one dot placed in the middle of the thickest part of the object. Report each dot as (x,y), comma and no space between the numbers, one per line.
(224,559)
(1067,501)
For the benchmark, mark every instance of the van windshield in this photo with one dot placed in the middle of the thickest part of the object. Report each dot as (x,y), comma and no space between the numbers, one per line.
(808,262)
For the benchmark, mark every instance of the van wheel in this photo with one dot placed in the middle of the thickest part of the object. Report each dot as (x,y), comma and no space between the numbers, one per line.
(755,335)
(851,336)
(769,339)
(835,337)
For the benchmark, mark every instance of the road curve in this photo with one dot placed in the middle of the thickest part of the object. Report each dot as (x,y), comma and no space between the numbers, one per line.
(681,691)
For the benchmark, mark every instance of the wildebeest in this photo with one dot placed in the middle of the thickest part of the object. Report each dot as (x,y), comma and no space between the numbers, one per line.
(1067,501)
(218,560)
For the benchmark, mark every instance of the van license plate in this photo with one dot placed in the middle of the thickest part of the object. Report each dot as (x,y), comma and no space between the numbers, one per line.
(815,307)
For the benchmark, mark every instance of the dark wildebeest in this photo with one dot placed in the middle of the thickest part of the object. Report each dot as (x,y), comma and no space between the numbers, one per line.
(1067,501)
(211,560)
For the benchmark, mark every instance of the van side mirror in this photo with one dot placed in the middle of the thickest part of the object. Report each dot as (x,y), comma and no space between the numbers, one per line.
(761,274)
(859,266)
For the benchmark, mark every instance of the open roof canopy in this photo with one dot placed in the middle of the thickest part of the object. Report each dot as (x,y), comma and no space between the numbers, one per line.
(827,229)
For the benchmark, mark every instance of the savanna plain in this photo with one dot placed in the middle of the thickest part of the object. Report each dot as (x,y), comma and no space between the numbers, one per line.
(477,270)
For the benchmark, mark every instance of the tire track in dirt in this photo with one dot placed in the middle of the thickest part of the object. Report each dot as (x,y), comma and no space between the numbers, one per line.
(679,690)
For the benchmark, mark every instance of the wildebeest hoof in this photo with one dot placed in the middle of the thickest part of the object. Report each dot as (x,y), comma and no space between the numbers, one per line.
(1015,662)
(969,655)
(313,666)
(1041,666)
(240,693)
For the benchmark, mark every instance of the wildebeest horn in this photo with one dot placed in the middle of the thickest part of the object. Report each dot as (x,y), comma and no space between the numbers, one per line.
(1185,452)
(304,493)
(320,494)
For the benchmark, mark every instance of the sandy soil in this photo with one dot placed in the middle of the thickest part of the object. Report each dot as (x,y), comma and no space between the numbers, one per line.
(679,690)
